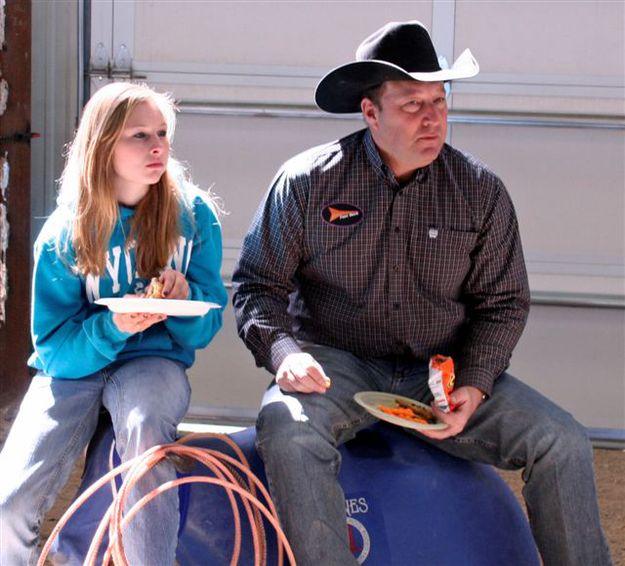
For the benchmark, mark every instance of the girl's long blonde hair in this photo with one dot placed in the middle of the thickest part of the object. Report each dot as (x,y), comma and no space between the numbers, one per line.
(86,185)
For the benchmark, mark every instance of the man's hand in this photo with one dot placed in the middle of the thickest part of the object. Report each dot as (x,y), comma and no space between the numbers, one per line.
(467,400)
(301,372)
(175,285)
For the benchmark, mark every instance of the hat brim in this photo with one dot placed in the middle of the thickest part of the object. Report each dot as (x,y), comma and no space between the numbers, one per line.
(342,89)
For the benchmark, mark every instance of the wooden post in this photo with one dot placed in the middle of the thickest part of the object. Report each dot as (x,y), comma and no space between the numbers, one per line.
(15,66)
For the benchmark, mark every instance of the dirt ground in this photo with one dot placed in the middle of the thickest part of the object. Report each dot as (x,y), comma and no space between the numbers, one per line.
(610,473)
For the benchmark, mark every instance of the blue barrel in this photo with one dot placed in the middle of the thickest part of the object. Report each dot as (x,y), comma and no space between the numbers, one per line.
(407,504)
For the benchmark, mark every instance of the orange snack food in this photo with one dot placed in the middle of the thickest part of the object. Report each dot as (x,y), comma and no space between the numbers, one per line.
(441,381)
(407,413)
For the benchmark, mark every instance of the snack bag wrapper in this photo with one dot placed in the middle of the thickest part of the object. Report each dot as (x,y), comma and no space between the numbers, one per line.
(441,381)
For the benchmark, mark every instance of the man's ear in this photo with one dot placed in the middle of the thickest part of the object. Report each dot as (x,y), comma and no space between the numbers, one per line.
(369,112)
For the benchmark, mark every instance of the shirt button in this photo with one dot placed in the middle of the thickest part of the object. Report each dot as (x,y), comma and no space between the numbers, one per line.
(396,306)
(397,229)
(396,268)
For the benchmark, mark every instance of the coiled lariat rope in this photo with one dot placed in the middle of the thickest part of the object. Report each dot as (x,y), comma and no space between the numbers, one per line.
(233,475)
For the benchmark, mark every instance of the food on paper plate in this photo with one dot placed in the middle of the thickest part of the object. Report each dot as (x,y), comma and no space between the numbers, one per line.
(155,289)
(441,381)
(409,412)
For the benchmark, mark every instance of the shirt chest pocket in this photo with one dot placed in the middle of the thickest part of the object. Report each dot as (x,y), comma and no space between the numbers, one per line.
(331,241)
(441,258)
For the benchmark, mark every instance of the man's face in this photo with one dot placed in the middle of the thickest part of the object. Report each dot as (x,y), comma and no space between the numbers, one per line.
(410,124)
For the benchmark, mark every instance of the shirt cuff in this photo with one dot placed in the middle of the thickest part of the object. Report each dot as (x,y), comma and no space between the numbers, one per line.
(476,377)
(280,349)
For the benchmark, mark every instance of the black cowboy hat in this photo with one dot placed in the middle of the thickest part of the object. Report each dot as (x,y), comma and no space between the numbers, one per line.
(398,51)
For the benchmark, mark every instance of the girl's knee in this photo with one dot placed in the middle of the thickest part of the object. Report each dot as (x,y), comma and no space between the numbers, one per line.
(142,431)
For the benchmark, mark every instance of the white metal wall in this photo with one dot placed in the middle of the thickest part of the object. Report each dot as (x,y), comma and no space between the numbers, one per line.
(546,113)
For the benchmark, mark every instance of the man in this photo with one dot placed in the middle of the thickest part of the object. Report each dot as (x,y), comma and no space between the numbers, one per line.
(368,256)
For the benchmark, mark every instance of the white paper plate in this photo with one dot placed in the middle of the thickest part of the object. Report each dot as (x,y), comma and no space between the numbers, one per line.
(371,400)
(170,307)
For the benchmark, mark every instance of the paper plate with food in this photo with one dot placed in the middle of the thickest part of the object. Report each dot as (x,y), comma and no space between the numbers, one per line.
(154,303)
(398,410)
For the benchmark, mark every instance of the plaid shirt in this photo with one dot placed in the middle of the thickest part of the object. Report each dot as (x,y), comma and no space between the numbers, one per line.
(340,254)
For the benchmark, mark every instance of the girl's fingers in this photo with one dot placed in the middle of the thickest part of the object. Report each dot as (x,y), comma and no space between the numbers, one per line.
(175,285)
(136,322)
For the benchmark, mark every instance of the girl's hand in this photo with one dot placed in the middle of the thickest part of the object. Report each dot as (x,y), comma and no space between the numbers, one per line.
(175,285)
(136,321)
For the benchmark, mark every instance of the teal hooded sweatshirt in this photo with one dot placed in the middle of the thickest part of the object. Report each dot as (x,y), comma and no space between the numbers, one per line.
(73,337)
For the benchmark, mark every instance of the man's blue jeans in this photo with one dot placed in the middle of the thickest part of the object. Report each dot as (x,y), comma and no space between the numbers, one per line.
(146,398)
(516,428)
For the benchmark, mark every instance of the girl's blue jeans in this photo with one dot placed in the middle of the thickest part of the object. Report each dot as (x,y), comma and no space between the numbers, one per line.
(146,398)
(516,428)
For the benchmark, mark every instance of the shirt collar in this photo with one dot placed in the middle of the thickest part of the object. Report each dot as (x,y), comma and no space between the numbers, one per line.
(382,170)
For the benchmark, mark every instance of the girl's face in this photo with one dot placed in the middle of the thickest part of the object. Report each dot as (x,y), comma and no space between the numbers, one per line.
(141,153)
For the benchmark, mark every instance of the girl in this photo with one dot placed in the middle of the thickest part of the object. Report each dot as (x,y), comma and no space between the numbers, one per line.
(125,215)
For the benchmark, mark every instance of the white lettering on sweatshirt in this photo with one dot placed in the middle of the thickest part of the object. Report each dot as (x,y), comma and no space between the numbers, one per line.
(93,290)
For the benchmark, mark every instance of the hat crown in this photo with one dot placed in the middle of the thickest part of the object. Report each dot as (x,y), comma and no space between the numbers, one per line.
(399,51)
(405,44)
